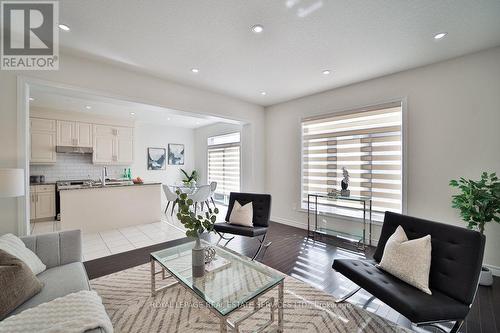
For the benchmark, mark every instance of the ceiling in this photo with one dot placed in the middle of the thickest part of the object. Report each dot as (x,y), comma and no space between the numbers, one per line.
(72,101)
(356,40)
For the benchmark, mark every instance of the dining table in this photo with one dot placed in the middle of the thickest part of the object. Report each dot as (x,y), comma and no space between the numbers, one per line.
(188,189)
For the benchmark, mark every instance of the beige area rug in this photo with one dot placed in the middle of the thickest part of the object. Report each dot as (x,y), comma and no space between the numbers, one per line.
(127,299)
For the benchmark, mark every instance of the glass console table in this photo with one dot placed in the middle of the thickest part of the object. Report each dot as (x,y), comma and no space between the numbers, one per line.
(360,239)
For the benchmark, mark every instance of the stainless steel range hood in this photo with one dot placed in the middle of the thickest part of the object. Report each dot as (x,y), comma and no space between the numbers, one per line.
(74,150)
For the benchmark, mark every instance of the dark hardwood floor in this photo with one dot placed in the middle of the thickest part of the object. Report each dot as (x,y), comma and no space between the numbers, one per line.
(293,254)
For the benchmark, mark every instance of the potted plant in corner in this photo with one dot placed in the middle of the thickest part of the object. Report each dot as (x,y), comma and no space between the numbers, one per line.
(479,203)
(190,179)
(195,226)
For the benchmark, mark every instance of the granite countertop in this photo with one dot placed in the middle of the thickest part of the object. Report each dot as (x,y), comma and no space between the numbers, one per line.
(85,187)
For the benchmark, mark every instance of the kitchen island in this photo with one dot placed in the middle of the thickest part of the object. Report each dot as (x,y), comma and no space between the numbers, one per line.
(99,208)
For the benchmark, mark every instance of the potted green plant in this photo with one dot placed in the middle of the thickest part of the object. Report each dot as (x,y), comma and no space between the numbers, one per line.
(190,179)
(195,226)
(479,203)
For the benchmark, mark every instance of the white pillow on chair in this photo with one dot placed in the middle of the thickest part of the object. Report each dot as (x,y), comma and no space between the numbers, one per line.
(242,215)
(408,260)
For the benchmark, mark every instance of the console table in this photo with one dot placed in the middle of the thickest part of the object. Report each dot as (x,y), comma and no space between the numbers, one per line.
(367,210)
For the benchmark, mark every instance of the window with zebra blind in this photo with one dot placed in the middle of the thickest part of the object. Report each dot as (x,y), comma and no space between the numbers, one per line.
(368,143)
(224,165)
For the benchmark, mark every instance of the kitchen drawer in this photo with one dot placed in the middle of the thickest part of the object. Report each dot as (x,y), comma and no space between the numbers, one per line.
(45,188)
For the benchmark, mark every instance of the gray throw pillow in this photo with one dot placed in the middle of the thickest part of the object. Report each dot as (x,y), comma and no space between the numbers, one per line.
(17,283)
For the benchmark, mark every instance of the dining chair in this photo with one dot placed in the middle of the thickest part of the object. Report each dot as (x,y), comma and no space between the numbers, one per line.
(213,187)
(171,197)
(201,196)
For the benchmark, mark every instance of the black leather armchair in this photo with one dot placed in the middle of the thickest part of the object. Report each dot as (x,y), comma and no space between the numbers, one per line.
(261,204)
(457,256)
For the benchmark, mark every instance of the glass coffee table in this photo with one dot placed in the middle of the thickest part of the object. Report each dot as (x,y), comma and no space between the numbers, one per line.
(239,282)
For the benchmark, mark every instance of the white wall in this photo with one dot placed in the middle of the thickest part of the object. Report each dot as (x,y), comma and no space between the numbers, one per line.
(111,81)
(159,136)
(453,130)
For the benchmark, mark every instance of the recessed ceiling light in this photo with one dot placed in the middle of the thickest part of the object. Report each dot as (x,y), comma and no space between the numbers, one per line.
(326,72)
(195,70)
(263,93)
(32,99)
(257,28)
(132,113)
(88,107)
(64,27)
(440,35)
(168,118)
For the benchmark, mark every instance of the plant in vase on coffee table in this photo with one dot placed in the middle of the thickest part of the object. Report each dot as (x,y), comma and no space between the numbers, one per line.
(195,226)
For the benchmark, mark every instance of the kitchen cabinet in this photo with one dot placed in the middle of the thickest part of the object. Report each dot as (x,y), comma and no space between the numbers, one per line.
(113,145)
(42,141)
(103,149)
(42,202)
(32,202)
(84,134)
(73,133)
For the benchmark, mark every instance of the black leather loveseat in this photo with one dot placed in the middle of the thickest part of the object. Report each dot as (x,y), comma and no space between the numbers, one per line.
(457,255)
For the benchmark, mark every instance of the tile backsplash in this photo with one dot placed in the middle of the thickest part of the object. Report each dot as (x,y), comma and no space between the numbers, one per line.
(74,166)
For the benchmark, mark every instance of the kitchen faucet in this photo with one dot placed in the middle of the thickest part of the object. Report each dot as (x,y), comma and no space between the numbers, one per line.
(104,174)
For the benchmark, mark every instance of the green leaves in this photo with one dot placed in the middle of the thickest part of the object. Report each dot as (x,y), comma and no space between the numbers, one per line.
(188,178)
(195,224)
(478,201)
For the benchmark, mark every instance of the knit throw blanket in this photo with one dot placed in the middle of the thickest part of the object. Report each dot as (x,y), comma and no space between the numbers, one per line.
(73,313)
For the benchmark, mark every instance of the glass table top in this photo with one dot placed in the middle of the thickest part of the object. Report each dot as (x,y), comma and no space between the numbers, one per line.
(339,197)
(224,289)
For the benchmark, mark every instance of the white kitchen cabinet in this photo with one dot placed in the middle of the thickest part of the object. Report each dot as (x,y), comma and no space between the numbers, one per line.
(42,202)
(44,125)
(103,149)
(73,133)
(32,202)
(45,205)
(42,141)
(124,149)
(113,145)
(84,134)
(66,133)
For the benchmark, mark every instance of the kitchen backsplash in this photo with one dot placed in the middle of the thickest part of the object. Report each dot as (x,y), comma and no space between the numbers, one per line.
(74,166)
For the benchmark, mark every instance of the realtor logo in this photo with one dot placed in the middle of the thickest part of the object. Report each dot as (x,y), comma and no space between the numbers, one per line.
(29,35)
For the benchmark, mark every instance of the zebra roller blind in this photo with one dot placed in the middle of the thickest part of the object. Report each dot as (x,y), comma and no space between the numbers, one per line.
(368,143)
(224,163)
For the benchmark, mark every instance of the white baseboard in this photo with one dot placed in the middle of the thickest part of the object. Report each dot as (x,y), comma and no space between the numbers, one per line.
(495,270)
(303,225)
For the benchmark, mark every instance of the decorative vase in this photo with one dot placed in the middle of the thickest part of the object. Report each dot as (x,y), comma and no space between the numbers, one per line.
(198,259)
(486,277)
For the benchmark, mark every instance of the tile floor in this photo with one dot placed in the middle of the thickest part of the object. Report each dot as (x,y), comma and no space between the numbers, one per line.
(104,243)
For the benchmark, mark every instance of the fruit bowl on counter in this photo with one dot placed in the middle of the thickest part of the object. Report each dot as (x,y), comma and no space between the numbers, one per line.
(138,181)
